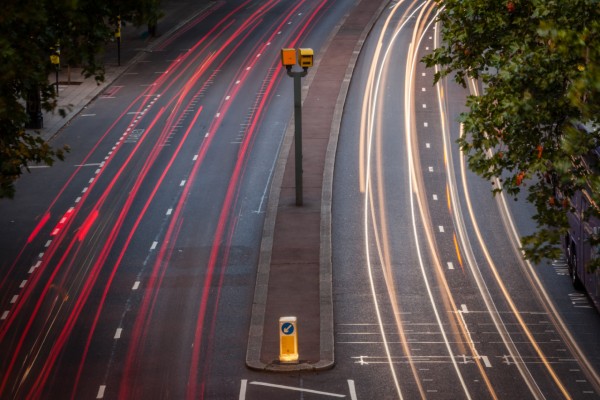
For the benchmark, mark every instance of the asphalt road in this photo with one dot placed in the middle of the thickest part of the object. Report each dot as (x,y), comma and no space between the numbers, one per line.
(432,297)
(128,271)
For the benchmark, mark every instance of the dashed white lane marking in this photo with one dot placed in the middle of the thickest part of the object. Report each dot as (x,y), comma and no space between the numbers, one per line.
(423,74)
(118,333)
(428,145)
(77,200)
(84,190)
(425,124)
(154,244)
(91,180)
(206,134)
(237,82)
(48,243)
(464,309)
(88,115)
(450,265)
(182,183)
(41,255)
(227,98)
(136,285)
(22,285)
(14,299)
(101,390)
(195,157)
(430,169)
(435,197)
(169,211)
(441,228)
(218,115)
(423,90)
(4,315)
(486,361)
(424,105)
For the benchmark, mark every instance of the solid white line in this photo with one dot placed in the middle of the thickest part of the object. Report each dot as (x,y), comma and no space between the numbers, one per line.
(243,389)
(101,390)
(136,285)
(118,333)
(352,389)
(297,389)
(154,244)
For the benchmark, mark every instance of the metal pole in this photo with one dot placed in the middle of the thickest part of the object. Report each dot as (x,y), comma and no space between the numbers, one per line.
(298,128)
(298,136)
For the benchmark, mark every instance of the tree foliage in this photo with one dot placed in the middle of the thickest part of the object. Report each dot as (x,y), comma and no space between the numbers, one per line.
(538,63)
(29,30)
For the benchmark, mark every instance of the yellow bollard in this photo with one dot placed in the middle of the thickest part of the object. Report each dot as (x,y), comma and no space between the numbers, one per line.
(288,340)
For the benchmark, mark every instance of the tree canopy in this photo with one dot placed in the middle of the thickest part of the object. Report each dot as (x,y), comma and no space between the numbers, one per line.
(537,119)
(29,32)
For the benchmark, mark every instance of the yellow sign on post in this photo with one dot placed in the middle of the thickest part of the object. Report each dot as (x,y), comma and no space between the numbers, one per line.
(288,340)
(288,57)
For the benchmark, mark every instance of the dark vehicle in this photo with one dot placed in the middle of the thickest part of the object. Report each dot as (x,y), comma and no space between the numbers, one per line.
(578,249)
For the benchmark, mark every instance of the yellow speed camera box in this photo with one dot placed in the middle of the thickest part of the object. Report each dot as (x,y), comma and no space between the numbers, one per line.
(288,57)
(305,58)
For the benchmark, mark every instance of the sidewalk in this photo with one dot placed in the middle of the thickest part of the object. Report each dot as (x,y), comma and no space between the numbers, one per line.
(294,275)
(135,41)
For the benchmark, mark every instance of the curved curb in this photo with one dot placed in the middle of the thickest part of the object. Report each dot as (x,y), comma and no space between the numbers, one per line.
(327,345)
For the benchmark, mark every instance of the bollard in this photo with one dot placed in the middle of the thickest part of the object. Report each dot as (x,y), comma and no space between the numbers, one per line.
(288,340)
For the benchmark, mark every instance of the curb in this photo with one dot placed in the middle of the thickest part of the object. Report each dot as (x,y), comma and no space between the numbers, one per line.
(327,345)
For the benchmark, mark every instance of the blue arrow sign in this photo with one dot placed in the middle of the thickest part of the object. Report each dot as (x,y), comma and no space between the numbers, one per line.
(287,328)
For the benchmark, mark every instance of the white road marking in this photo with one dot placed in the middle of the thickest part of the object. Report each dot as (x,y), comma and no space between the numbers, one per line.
(136,285)
(101,390)
(450,265)
(430,169)
(423,74)
(425,124)
(428,145)
(423,90)
(297,389)
(14,299)
(435,197)
(243,389)
(486,361)
(154,244)
(118,333)
(77,200)
(91,180)
(195,157)
(218,115)
(352,389)
(4,315)
(441,228)
(48,243)
(182,183)
(84,190)
(464,309)
(169,211)
(88,115)
(22,285)
(424,105)
(206,134)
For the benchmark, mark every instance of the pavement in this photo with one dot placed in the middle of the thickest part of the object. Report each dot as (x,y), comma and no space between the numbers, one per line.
(294,276)
(75,92)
